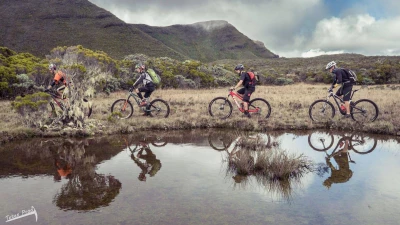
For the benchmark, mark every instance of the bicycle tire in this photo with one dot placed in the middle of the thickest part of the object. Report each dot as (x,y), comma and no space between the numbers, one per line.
(261,105)
(315,146)
(156,108)
(221,106)
(365,106)
(218,142)
(52,111)
(120,107)
(315,106)
(364,140)
(159,142)
(88,109)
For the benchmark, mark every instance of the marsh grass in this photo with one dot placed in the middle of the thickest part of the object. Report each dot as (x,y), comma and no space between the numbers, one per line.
(189,110)
(273,168)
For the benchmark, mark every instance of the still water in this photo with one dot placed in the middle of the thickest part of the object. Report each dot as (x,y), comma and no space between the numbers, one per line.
(187,177)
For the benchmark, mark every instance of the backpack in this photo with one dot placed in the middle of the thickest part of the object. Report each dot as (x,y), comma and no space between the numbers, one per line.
(351,75)
(155,78)
(253,78)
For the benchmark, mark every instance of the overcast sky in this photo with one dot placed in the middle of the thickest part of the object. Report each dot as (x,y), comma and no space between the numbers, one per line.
(289,28)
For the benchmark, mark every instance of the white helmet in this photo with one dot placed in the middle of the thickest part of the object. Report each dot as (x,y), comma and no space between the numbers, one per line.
(330,64)
(52,66)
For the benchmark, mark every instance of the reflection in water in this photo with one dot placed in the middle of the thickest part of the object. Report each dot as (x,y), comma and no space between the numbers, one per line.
(145,159)
(193,189)
(324,141)
(254,155)
(85,190)
(72,160)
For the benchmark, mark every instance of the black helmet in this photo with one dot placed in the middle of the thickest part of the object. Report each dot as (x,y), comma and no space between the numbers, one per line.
(239,67)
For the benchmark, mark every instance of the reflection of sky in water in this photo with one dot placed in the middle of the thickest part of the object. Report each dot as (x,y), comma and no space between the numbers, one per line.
(192,187)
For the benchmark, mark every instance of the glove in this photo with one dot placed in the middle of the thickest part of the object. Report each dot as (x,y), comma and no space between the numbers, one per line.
(131,89)
(232,88)
(335,85)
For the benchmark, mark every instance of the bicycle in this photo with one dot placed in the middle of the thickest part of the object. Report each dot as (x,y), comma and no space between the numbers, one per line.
(221,141)
(359,143)
(221,107)
(63,102)
(124,107)
(363,110)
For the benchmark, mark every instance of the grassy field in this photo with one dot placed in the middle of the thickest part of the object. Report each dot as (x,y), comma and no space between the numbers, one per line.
(189,110)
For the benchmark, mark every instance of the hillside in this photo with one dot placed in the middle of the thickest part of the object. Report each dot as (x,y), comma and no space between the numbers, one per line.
(207,41)
(38,26)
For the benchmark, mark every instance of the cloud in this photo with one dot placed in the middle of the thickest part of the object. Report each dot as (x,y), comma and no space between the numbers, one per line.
(359,34)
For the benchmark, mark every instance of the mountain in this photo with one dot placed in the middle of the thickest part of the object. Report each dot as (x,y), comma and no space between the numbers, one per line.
(208,41)
(37,26)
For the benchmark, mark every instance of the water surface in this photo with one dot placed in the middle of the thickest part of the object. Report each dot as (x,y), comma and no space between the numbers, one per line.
(186,178)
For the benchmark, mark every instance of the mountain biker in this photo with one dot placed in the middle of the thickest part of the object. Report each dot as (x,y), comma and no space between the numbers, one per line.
(151,165)
(341,77)
(343,173)
(248,87)
(59,79)
(148,85)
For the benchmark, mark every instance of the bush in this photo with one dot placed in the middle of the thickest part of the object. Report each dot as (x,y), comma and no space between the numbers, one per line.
(32,108)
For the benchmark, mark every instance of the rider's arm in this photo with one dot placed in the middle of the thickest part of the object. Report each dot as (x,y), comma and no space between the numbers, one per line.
(139,80)
(242,77)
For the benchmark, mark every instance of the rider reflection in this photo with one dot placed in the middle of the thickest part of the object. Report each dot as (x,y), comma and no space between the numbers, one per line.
(343,173)
(151,164)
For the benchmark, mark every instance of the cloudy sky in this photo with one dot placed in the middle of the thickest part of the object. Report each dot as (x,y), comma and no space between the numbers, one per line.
(289,28)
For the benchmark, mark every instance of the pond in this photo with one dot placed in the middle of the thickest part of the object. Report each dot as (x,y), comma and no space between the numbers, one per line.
(195,177)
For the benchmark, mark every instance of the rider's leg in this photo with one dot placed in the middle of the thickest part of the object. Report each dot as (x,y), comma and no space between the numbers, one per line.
(346,97)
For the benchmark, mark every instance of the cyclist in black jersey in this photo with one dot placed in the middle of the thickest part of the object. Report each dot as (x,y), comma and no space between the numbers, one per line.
(341,77)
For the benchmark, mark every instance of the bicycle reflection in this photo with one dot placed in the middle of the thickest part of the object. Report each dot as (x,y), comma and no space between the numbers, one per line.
(324,141)
(144,157)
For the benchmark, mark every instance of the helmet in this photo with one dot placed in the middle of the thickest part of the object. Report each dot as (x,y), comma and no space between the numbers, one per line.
(239,67)
(330,64)
(52,66)
(140,66)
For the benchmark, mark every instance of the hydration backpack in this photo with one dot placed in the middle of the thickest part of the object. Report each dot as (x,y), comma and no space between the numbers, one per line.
(154,76)
(253,78)
(351,75)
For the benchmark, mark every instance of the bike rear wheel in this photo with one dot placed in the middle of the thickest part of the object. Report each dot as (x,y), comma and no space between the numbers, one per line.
(122,109)
(320,140)
(259,108)
(364,110)
(220,107)
(158,108)
(321,111)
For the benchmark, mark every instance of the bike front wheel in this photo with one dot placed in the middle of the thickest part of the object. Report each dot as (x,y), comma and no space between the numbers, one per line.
(321,111)
(87,108)
(51,110)
(220,107)
(259,108)
(364,110)
(158,108)
(362,144)
(122,109)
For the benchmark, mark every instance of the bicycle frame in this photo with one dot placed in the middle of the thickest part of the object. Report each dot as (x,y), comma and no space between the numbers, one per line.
(137,100)
(233,95)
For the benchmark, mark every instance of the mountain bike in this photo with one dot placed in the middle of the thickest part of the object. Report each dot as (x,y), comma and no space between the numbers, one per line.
(359,143)
(123,108)
(220,140)
(221,107)
(363,110)
(62,102)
